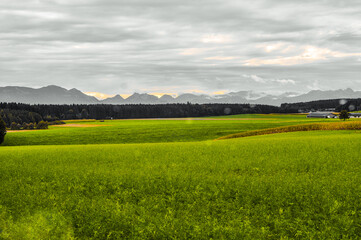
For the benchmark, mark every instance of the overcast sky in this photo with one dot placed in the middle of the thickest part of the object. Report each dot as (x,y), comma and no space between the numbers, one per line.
(175,46)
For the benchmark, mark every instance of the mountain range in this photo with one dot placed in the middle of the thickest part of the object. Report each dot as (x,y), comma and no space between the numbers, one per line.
(58,95)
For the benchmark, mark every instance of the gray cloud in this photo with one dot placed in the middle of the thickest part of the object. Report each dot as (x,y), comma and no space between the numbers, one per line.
(118,46)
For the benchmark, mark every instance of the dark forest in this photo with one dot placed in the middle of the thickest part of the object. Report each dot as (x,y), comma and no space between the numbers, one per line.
(25,113)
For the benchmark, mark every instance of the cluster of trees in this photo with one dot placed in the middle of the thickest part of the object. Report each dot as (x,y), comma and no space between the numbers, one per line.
(25,113)
(2,130)
(349,105)
(344,115)
(336,105)
(20,116)
(24,126)
(29,126)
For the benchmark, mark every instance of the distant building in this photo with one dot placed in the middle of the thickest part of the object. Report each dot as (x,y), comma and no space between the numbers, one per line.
(355,115)
(321,115)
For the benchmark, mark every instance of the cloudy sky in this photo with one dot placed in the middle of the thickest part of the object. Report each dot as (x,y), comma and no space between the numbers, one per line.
(175,46)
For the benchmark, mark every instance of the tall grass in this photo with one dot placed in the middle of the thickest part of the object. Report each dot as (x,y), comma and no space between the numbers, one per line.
(352,125)
(271,187)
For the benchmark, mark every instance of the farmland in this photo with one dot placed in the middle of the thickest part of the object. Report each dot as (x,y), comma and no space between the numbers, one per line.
(151,130)
(169,179)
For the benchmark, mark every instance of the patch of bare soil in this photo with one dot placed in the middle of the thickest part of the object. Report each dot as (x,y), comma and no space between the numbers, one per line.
(198,119)
(10,131)
(79,125)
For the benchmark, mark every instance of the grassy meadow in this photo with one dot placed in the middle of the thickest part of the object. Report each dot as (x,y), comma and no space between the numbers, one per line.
(151,130)
(170,179)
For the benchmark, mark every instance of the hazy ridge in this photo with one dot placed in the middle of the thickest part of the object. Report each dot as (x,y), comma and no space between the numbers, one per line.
(58,95)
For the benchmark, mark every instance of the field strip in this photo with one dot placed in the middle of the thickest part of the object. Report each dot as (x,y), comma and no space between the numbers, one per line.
(298,128)
(154,144)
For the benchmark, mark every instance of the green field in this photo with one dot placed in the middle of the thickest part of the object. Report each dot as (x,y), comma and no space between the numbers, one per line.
(152,131)
(169,179)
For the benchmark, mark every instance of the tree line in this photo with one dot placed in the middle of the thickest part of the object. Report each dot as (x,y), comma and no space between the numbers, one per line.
(336,105)
(20,113)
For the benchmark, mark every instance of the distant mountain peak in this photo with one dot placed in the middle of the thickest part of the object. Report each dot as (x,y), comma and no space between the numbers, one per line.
(74,90)
(166,96)
(117,99)
(118,96)
(51,94)
(53,87)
